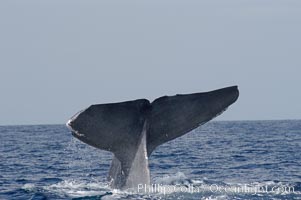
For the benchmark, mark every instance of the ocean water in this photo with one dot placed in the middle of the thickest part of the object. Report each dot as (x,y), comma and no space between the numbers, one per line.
(219,160)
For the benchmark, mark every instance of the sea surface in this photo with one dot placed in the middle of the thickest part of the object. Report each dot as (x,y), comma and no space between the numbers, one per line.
(219,160)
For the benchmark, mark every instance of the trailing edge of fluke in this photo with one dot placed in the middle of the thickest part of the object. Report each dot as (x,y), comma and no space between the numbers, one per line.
(132,130)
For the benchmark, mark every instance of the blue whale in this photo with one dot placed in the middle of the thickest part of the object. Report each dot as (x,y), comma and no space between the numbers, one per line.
(132,130)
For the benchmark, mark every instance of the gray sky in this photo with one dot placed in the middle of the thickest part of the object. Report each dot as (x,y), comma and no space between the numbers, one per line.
(57,57)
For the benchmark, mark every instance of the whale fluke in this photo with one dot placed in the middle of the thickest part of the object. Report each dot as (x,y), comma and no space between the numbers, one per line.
(132,130)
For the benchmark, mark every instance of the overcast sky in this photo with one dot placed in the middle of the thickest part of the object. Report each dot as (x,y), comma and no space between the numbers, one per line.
(58,57)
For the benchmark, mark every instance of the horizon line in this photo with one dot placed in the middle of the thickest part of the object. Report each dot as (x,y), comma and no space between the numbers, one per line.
(243,120)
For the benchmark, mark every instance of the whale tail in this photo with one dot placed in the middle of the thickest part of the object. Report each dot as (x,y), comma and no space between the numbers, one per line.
(132,130)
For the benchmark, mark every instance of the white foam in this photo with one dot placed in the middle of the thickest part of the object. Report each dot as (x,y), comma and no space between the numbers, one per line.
(171,179)
(28,186)
(82,188)
(74,188)
(221,197)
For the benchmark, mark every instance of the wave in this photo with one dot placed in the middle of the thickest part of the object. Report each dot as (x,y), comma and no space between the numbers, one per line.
(177,186)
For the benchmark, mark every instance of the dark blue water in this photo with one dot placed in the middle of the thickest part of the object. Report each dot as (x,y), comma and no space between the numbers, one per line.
(222,160)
